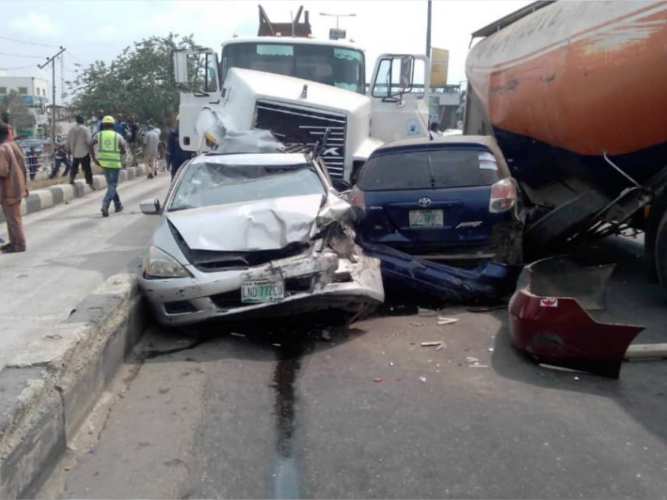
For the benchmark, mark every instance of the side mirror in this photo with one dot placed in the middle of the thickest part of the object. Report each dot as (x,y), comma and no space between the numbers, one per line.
(341,185)
(405,82)
(150,206)
(180,60)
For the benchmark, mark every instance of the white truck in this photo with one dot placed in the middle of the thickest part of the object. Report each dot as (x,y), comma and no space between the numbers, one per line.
(298,88)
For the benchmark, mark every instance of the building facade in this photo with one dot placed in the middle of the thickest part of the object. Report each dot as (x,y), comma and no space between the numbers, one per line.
(34,92)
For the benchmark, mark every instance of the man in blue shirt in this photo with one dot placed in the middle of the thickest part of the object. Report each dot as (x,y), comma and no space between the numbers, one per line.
(175,155)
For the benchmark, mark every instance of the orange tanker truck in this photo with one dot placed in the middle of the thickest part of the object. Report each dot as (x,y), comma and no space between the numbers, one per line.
(576,95)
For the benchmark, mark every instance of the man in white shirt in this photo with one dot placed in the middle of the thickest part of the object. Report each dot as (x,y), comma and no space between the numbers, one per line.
(151,142)
(78,142)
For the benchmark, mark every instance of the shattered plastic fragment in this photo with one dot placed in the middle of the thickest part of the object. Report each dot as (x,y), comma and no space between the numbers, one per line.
(431,344)
(446,321)
(378,380)
(423,379)
(237,334)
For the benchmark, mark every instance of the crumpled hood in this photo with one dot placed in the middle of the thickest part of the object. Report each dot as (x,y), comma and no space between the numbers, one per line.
(263,225)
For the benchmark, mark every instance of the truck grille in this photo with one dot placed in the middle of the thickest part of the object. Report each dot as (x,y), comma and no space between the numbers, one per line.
(300,128)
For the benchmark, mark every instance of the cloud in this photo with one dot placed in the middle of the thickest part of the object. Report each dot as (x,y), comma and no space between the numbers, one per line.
(107,32)
(379,26)
(36,25)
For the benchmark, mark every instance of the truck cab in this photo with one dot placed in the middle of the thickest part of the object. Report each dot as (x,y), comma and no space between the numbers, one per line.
(298,88)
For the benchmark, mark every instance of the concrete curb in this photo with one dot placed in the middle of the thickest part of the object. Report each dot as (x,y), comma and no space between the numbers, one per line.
(41,199)
(47,391)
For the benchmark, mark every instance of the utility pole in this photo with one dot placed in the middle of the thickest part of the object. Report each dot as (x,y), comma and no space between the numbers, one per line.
(52,61)
(62,80)
(428,31)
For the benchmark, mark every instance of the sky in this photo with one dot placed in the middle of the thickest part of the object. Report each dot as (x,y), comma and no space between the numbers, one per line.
(101,29)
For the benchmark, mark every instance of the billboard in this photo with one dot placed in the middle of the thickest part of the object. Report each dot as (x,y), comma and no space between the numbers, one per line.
(439,67)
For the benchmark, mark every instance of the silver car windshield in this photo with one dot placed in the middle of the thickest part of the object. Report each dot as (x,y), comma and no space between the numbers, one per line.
(208,184)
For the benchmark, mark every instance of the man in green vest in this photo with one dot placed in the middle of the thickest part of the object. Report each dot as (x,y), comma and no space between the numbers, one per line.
(109,155)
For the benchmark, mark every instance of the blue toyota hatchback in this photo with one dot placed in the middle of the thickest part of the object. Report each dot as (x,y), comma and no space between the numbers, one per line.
(449,199)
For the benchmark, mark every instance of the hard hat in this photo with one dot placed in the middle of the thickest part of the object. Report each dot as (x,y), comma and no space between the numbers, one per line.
(108,119)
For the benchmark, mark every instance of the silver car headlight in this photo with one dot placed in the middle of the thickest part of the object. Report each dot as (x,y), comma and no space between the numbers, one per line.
(160,265)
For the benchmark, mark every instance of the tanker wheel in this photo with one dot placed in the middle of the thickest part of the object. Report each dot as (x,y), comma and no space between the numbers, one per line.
(661,251)
(552,230)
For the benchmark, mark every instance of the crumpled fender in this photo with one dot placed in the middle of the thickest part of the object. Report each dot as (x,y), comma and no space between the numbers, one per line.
(486,283)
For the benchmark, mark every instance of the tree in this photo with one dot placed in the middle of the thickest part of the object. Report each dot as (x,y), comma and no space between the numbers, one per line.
(20,116)
(139,81)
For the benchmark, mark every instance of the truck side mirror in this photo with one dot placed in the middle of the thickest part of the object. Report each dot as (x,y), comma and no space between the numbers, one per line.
(406,77)
(180,61)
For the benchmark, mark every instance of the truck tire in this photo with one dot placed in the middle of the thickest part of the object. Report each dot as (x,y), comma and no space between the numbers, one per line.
(661,251)
(552,230)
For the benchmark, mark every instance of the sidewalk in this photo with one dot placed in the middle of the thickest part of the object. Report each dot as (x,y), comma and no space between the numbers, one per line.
(41,199)
(71,251)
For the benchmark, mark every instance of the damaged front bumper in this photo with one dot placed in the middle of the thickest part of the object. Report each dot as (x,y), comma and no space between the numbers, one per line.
(550,320)
(486,283)
(313,281)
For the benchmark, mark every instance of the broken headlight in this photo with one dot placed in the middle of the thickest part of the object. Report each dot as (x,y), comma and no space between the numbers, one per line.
(160,265)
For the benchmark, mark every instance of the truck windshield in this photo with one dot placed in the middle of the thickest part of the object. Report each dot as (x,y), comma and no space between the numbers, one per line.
(336,66)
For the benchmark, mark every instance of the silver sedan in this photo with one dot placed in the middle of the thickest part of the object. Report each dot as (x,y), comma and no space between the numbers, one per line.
(249,235)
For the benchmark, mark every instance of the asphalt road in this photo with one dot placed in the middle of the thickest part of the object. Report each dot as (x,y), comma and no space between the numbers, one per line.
(71,251)
(283,411)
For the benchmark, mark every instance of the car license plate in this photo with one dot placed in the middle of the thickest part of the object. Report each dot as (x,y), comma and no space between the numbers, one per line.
(426,218)
(257,292)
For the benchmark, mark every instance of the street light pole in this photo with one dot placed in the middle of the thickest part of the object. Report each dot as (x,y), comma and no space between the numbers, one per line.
(337,16)
(52,61)
(428,31)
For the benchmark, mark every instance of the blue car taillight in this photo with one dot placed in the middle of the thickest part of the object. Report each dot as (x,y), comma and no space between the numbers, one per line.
(503,196)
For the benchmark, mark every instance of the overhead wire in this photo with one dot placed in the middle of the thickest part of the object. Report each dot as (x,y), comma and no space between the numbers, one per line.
(28,43)
(22,55)
(19,67)
(70,54)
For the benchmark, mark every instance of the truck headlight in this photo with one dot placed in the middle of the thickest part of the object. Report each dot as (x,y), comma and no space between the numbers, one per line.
(161,265)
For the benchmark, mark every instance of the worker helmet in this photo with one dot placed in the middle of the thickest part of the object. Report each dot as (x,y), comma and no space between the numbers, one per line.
(108,119)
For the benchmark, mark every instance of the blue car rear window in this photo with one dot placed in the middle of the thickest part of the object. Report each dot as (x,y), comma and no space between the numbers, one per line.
(442,168)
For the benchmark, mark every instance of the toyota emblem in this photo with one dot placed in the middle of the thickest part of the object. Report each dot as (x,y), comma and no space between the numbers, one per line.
(424,202)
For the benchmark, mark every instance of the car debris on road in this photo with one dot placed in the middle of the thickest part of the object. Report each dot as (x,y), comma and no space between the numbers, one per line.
(551,318)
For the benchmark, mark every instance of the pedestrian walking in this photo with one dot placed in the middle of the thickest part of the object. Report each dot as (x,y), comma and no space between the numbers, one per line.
(61,156)
(151,143)
(79,142)
(134,140)
(5,119)
(110,150)
(12,190)
(175,155)
(33,163)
